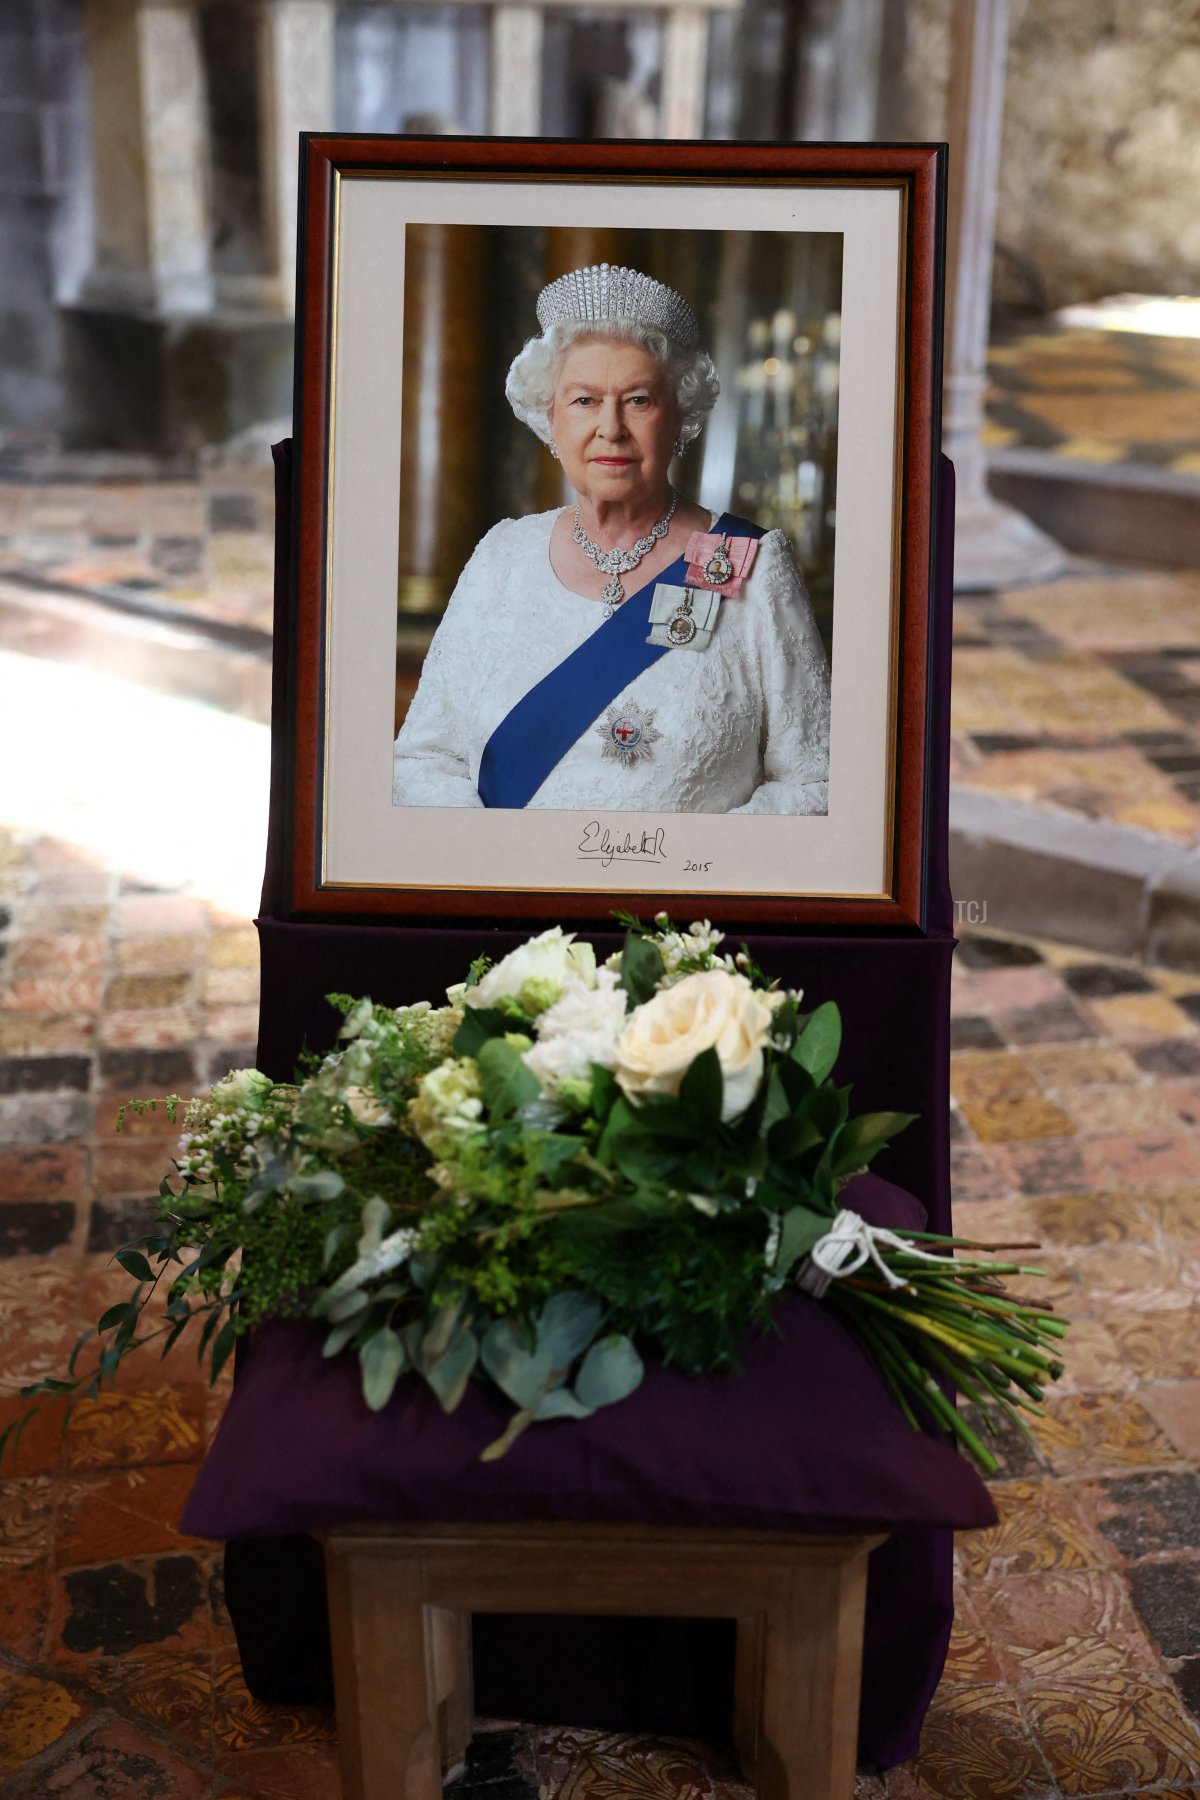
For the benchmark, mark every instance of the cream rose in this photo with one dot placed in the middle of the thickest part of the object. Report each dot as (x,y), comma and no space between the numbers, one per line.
(712,1010)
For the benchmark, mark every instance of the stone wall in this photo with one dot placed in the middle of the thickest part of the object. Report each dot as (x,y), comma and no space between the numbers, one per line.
(45,230)
(1101,159)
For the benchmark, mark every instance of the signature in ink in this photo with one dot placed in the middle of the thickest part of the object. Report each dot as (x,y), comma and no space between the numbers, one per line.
(608,847)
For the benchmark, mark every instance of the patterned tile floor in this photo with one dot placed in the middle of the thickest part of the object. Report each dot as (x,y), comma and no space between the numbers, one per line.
(1089,395)
(1084,695)
(1075,1666)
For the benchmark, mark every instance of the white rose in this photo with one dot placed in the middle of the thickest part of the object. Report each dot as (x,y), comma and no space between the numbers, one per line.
(242,1087)
(536,971)
(712,1010)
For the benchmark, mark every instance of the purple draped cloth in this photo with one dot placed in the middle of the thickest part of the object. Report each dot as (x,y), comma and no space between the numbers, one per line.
(665,1675)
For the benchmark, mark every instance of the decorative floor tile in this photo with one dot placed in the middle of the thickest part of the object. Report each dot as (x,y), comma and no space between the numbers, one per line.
(171,1691)
(1176,1407)
(243,1723)
(26,1522)
(1082,1433)
(162,1424)
(596,1765)
(1113,1732)
(1164,1344)
(1071,1066)
(111,1761)
(25,1606)
(1148,1515)
(1065,1626)
(977,1746)
(135,1512)
(1167,1597)
(34,1714)
(292,1772)
(1092,1362)
(1041,1530)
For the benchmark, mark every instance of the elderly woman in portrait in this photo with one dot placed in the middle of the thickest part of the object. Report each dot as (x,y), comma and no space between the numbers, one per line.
(632,652)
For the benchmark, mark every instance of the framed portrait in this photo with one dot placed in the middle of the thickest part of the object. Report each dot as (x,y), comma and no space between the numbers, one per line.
(614,529)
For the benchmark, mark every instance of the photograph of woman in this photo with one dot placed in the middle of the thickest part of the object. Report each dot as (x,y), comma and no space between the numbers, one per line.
(633,651)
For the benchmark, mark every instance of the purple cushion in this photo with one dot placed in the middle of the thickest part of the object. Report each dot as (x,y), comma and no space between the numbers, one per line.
(805,1437)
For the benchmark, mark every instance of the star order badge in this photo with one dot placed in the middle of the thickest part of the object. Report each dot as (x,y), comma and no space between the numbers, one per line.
(628,732)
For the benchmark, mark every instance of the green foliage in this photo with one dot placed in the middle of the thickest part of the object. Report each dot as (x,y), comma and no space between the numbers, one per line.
(445,1218)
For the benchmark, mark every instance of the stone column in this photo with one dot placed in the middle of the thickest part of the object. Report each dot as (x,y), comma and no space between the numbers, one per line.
(295,73)
(685,56)
(995,546)
(516,79)
(149,157)
(838,70)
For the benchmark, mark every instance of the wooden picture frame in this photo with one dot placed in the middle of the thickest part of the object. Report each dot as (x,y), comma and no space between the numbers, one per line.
(351,854)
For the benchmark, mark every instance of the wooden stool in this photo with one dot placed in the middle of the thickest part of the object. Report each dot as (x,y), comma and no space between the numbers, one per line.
(400,1605)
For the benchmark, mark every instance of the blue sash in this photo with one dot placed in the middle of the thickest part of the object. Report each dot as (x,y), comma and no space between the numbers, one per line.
(535,736)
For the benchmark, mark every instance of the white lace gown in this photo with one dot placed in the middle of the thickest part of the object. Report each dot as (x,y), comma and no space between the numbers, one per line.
(743,725)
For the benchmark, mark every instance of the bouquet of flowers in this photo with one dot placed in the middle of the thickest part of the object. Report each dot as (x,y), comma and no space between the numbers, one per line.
(562,1167)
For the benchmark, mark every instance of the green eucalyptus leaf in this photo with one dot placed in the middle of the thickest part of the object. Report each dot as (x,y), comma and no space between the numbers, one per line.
(135,1264)
(610,1371)
(510,1360)
(343,1306)
(376,1217)
(335,1237)
(383,1360)
(816,1049)
(449,1375)
(507,1084)
(443,1328)
(642,968)
(508,1437)
(561,1403)
(324,1184)
(566,1326)
(340,1336)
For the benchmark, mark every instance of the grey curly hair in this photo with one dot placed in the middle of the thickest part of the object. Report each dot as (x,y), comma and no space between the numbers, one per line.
(535,371)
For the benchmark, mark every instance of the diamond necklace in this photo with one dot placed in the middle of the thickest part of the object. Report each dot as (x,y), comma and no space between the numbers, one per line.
(615,563)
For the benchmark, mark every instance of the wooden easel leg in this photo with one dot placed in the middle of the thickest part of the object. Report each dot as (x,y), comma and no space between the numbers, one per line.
(812,1668)
(747,1690)
(453,1680)
(383,1676)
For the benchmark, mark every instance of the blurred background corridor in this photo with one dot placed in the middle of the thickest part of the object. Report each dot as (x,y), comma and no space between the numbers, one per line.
(147,251)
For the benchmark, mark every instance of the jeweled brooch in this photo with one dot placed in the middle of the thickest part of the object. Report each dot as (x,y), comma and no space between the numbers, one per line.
(628,733)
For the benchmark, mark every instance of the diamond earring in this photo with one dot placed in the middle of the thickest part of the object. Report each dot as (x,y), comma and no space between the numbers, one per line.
(552,447)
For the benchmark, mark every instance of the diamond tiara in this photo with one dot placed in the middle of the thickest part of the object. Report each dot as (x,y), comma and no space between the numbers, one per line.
(606,292)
